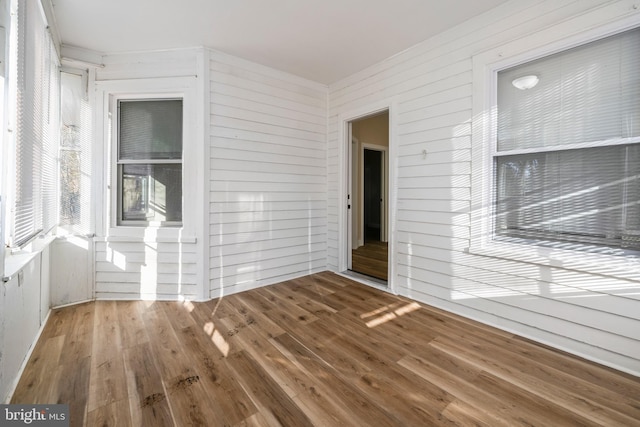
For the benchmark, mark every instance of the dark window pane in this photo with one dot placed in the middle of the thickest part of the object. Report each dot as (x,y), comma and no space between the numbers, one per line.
(151,192)
(589,195)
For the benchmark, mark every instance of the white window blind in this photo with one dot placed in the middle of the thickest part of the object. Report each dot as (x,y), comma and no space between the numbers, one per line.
(36,140)
(567,159)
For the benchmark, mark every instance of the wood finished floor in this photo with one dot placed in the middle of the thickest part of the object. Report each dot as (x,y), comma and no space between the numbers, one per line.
(320,350)
(371,259)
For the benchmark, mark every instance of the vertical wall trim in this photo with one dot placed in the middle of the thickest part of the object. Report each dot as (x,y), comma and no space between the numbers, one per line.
(343,181)
(326,179)
(204,89)
(91,268)
(392,197)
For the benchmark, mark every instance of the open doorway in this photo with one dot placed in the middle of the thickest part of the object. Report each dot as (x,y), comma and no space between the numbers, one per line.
(373,211)
(369,196)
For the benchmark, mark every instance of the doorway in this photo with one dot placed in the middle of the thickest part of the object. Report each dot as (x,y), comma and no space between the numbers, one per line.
(373,198)
(368,193)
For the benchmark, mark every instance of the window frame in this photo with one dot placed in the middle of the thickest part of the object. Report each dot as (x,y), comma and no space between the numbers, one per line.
(84,150)
(486,66)
(120,163)
(105,130)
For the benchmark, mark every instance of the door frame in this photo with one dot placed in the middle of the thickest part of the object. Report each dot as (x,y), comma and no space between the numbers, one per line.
(344,184)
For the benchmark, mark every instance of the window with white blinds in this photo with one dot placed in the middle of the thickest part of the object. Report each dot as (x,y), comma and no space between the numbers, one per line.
(149,161)
(36,89)
(567,158)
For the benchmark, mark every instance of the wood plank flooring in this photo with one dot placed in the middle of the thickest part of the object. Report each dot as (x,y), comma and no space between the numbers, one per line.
(371,259)
(320,350)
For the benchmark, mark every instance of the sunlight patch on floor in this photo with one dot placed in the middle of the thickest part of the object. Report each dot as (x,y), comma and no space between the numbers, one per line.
(217,338)
(388,313)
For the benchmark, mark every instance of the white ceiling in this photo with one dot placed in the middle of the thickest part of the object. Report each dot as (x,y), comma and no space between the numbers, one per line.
(321,40)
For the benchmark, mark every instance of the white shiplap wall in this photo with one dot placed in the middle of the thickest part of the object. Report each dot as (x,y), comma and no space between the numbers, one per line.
(268,191)
(135,268)
(430,88)
(134,263)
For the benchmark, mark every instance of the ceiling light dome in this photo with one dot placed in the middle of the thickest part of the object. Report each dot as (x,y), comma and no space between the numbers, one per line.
(526,82)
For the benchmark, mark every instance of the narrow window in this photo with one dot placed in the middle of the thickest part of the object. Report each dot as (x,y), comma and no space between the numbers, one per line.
(149,162)
(70,150)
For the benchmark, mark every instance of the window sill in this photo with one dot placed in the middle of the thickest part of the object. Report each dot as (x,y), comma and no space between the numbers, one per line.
(624,267)
(14,262)
(147,239)
(128,234)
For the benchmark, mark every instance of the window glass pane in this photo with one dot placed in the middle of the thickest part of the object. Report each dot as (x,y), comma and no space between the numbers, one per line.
(70,183)
(589,93)
(70,149)
(589,195)
(70,113)
(150,129)
(151,192)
